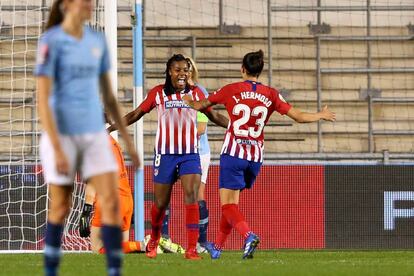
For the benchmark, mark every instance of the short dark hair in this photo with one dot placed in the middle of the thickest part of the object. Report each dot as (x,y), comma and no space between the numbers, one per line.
(168,87)
(253,63)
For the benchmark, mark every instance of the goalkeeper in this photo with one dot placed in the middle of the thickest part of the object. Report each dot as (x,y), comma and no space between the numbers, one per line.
(92,226)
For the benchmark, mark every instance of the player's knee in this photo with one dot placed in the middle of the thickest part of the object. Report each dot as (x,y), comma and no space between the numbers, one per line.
(190,198)
(162,199)
(162,204)
(58,212)
(110,206)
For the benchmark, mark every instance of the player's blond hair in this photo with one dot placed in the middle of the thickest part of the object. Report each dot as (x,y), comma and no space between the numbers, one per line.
(193,69)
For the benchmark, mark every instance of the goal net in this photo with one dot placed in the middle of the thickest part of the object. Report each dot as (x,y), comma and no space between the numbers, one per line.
(355,56)
(23,191)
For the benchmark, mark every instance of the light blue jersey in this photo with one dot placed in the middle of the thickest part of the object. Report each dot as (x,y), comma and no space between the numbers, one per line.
(75,66)
(204,147)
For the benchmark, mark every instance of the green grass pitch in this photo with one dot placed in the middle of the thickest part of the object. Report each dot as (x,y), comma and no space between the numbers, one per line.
(332,263)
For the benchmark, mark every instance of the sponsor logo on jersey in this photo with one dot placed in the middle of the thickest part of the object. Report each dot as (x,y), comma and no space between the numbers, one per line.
(246,142)
(96,52)
(176,104)
(155,172)
(80,71)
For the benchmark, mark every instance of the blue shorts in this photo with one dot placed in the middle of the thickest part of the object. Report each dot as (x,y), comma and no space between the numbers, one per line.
(236,173)
(167,168)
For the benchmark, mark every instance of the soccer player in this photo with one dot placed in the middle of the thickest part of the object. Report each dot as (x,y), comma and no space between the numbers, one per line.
(249,105)
(176,153)
(204,151)
(92,227)
(72,61)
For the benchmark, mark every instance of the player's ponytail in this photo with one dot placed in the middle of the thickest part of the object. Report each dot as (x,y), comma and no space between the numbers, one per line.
(168,87)
(253,63)
(56,14)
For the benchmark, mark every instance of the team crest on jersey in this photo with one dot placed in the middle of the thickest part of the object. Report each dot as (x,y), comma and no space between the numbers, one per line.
(42,54)
(96,52)
(176,104)
(155,172)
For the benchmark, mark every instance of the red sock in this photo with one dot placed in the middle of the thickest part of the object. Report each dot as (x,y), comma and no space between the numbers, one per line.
(192,217)
(236,219)
(157,216)
(225,230)
(131,247)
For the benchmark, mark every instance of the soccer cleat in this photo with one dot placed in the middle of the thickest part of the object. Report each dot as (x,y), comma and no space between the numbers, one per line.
(151,248)
(147,239)
(201,248)
(191,254)
(250,244)
(212,249)
(169,247)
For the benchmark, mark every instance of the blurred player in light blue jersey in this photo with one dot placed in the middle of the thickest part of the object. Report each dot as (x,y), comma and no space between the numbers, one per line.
(72,60)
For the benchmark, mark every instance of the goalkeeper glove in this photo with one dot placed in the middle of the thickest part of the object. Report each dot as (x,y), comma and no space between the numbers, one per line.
(84,222)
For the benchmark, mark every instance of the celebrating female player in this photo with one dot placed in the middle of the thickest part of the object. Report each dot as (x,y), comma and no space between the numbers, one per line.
(204,152)
(72,61)
(249,105)
(176,153)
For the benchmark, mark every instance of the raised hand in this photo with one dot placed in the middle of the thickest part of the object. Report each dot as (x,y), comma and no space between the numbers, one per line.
(188,99)
(327,114)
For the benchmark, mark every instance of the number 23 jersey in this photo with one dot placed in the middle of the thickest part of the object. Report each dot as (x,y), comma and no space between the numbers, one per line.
(249,105)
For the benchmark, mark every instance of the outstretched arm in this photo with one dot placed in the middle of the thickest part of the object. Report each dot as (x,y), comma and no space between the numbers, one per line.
(304,117)
(129,118)
(197,105)
(217,118)
(202,106)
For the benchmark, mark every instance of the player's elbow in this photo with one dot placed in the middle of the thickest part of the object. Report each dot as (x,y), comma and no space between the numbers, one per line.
(300,119)
(297,117)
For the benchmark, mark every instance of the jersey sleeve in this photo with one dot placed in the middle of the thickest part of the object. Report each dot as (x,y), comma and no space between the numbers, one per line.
(200,95)
(201,118)
(46,57)
(280,104)
(149,102)
(220,96)
(105,60)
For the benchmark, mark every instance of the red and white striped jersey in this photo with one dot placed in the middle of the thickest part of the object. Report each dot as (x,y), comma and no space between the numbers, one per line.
(177,129)
(249,105)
